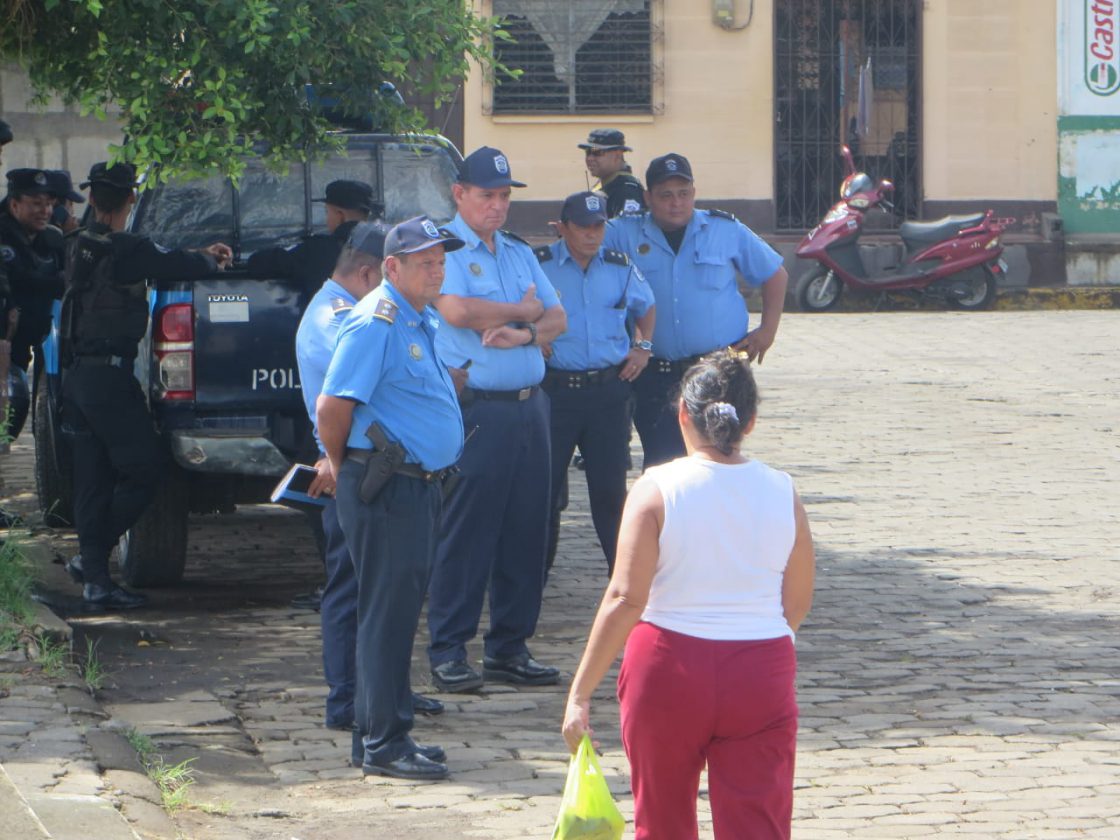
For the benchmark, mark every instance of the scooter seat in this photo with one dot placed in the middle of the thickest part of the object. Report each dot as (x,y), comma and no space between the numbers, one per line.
(941,229)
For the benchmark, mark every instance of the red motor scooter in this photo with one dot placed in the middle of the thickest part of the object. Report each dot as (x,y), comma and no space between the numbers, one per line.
(955,259)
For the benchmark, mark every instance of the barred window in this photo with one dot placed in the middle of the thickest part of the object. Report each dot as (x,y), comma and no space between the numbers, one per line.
(579,57)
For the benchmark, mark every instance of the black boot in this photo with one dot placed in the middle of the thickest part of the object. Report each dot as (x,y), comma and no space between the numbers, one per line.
(73,567)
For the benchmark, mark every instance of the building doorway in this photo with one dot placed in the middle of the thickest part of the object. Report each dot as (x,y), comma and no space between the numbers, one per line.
(845,71)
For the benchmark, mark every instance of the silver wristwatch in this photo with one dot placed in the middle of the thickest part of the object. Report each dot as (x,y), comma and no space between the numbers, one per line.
(644,344)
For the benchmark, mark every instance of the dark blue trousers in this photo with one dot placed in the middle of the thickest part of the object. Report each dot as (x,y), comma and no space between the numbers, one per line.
(339,618)
(392,541)
(495,532)
(656,396)
(597,419)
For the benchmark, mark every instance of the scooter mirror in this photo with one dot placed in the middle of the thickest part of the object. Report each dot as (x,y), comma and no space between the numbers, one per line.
(886,186)
(845,151)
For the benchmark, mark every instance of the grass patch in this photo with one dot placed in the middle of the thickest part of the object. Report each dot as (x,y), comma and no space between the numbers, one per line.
(53,657)
(15,594)
(93,672)
(173,780)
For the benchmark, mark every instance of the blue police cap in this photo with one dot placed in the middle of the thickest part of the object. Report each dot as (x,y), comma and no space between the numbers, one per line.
(368,237)
(119,175)
(584,209)
(62,187)
(418,234)
(487,168)
(667,166)
(28,181)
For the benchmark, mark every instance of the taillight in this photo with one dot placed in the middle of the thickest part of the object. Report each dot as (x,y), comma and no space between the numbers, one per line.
(173,343)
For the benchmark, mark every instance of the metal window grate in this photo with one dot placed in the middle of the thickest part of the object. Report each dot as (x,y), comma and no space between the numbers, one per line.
(584,56)
(820,48)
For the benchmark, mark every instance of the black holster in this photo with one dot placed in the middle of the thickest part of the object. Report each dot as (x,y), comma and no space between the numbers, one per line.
(384,461)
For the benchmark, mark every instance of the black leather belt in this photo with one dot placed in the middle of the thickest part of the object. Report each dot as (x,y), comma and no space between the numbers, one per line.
(557,378)
(674,367)
(512,396)
(410,470)
(101,361)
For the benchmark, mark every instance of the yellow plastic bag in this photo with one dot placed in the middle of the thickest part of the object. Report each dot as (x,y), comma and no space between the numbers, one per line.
(587,811)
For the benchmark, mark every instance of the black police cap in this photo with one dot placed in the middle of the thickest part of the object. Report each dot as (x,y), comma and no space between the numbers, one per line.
(62,187)
(28,182)
(667,166)
(5,133)
(350,195)
(605,139)
(368,237)
(119,175)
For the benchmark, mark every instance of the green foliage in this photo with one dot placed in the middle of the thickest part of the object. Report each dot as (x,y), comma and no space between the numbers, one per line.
(15,594)
(93,672)
(199,81)
(174,782)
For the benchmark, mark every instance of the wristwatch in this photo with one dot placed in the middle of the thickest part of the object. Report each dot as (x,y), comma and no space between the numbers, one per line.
(644,344)
(532,328)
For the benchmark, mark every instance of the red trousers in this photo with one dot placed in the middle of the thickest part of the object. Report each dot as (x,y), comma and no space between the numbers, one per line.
(686,702)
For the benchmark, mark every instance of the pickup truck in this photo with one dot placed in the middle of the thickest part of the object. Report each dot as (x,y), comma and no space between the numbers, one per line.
(218,363)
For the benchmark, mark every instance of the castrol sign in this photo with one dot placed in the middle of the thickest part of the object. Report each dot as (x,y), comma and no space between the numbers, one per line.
(1089,58)
(1102,49)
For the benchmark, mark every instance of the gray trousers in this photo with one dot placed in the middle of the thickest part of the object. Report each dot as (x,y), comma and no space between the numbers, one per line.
(392,541)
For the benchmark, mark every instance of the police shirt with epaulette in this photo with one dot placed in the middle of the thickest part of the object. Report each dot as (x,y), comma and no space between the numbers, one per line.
(699,307)
(385,361)
(598,303)
(503,276)
(316,338)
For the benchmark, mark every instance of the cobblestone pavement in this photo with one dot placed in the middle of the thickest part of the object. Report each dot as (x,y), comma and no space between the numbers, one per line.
(959,674)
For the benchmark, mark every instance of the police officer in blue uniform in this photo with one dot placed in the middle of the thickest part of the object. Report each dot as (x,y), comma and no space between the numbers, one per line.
(389,420)
(692,259)
(592,365)
(310,262)
(357,273)
(118,458)
(499,308)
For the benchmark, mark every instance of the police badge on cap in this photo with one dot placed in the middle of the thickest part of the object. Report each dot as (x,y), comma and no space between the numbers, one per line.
(584,209)
(668,166)
(487,168)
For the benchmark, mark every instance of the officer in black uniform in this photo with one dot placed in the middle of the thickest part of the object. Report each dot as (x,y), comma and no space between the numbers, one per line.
(6,137)
(65,197)
(31,251)
(311,261)
(605,156)
(118,460)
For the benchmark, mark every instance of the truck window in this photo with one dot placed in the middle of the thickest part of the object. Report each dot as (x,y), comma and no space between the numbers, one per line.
(188,214)
(415,180)
(271,207)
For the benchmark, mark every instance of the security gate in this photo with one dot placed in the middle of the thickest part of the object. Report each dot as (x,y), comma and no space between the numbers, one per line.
(846,71)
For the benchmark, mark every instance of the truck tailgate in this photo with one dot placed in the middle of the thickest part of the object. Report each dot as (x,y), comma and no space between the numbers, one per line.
(245,332)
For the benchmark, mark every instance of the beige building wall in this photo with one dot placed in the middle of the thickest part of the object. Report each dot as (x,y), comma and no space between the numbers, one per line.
(717,104)
(990,100)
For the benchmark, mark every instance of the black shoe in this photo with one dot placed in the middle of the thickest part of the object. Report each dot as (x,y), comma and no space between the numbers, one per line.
(432,752)
(456,677)
(73,567)
(111,597)
(412,766)
(519,670)
(341,724)
(309,600)
(422,705)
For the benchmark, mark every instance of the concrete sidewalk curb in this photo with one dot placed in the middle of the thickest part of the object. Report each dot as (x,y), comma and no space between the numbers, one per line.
(15,814)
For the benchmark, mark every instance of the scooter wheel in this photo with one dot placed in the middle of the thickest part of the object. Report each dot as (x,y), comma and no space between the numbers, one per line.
(819,290)
(981,292)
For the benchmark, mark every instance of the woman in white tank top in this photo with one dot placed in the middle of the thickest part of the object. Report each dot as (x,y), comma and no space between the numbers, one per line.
(714,574)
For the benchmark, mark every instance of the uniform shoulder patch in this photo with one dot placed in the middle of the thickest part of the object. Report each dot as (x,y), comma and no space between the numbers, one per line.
(544,253)
(615,257)
(722,214)
(514,237)
(341,305)
(7,253)
(386,310)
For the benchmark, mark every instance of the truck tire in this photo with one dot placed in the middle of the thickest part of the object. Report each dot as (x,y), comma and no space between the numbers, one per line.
(54,476)
(153,552)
